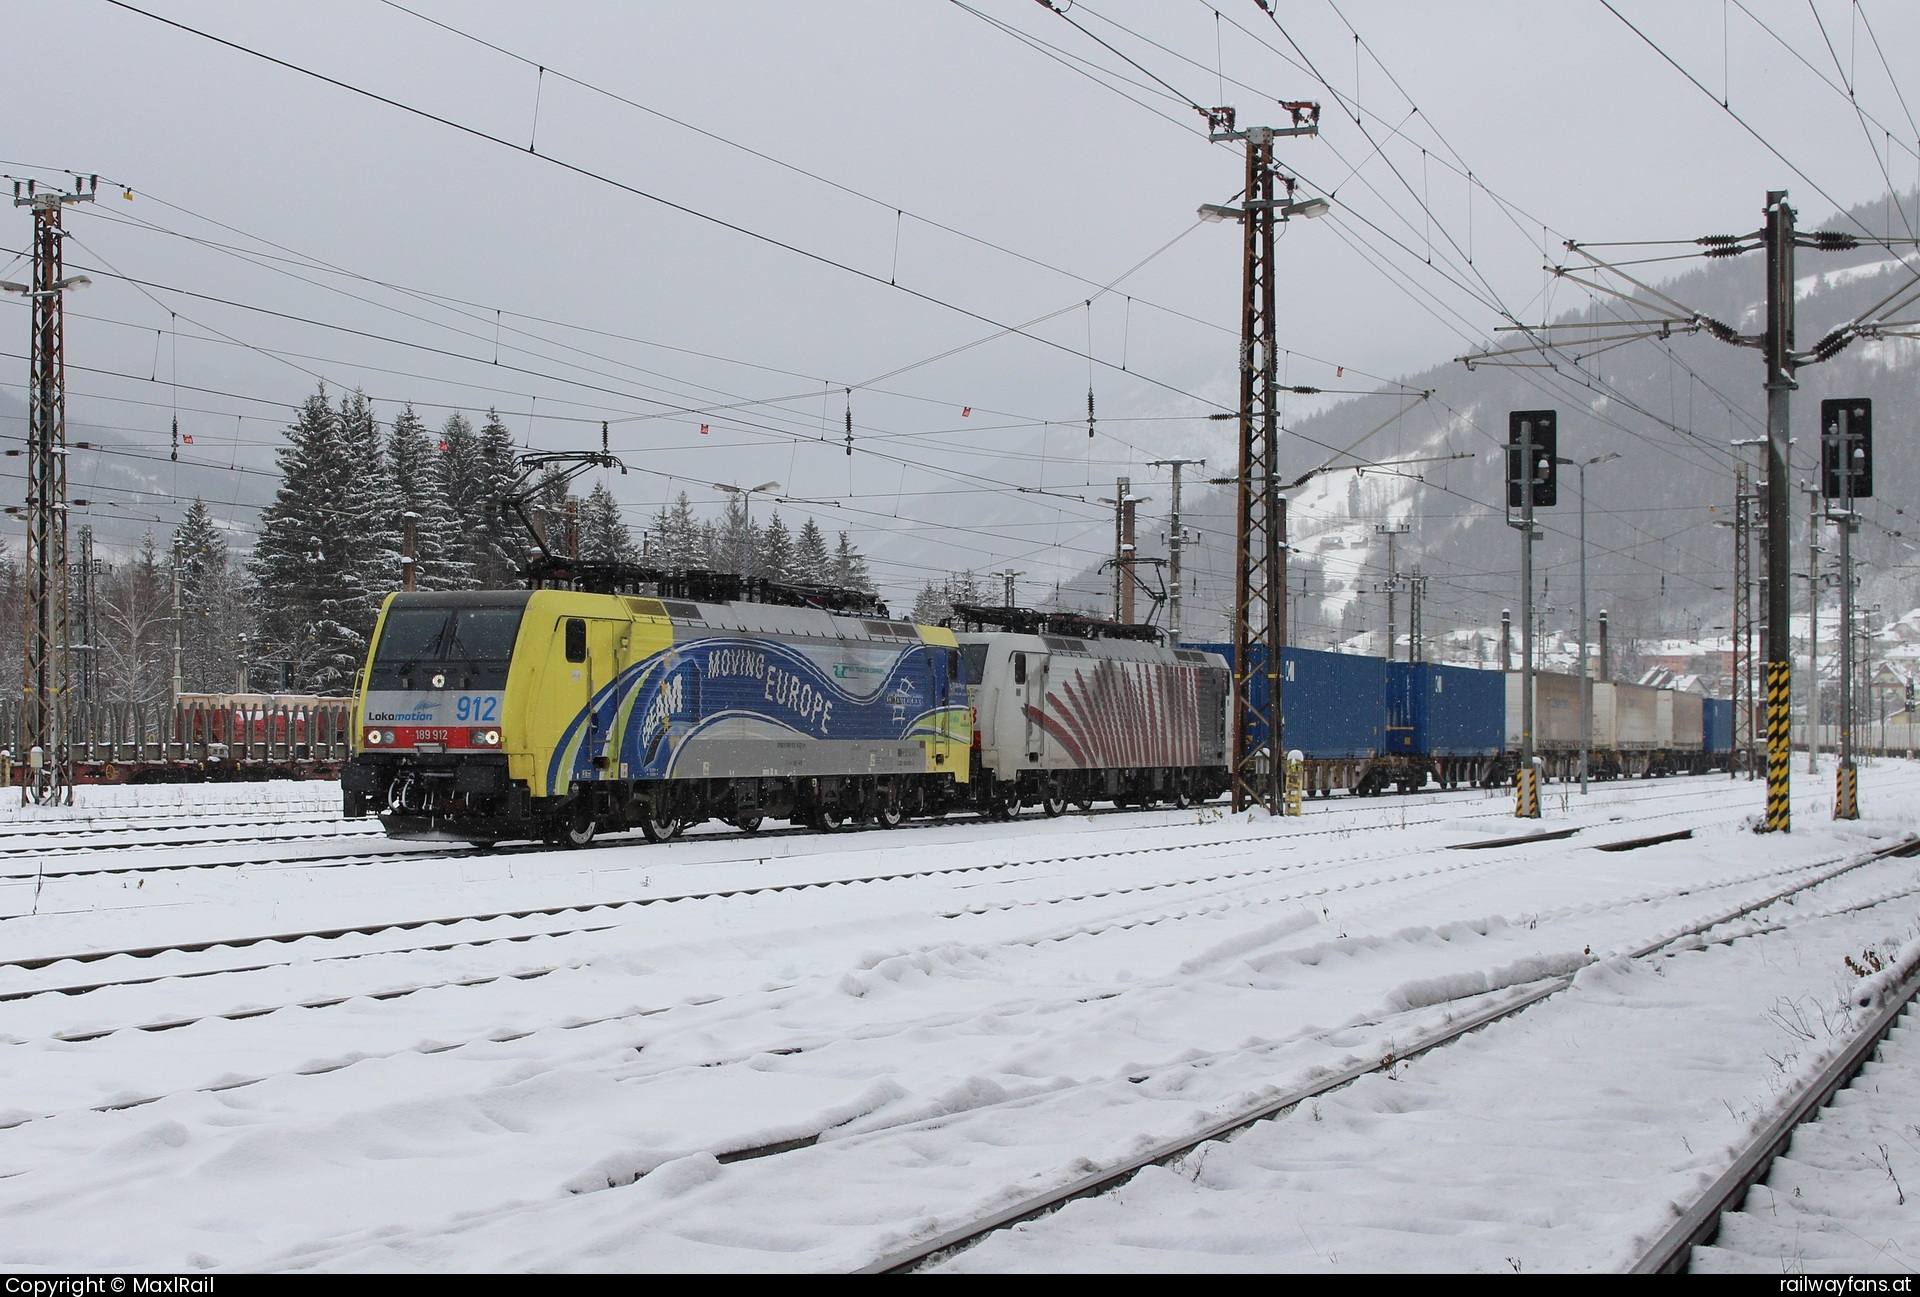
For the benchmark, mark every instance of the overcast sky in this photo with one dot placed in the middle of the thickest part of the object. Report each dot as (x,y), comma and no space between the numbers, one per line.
(879,190)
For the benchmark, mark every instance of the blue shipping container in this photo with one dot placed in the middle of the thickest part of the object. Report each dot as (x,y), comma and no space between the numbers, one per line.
(1716,724)
(1403,701)
(1456,711)
(1331,704)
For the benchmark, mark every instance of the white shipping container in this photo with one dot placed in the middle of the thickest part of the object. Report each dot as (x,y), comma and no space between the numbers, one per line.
(1688,713)
(1556,712)
(1606,725)
(1637,719)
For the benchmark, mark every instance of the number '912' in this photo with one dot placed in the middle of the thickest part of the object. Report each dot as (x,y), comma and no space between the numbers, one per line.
(476,709)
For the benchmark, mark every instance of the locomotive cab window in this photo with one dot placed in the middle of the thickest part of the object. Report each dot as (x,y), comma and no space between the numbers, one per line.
(576,639)
(1019,668)
(974,658)
(410,635)
(473,644)
(953,665)
(483,635)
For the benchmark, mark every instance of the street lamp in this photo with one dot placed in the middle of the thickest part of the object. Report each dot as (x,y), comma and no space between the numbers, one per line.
(70,283)
(1586,677)
(746,494)
(1307,209)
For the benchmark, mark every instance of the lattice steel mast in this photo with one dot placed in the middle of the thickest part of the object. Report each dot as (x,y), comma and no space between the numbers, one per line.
(1259,579)
(47,675)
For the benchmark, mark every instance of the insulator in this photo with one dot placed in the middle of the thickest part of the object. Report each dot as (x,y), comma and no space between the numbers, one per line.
(1834,241)
(1833,344)
(1089,411)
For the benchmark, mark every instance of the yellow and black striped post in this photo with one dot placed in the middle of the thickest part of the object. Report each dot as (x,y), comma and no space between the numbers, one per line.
(1846,794)
(1779,746)
(1526,793)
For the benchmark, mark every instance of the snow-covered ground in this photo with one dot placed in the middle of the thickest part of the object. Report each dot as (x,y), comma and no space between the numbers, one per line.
(1840,1198)
(281,1042)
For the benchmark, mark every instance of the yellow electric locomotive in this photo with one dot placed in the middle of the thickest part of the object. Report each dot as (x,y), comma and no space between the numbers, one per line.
(558,715)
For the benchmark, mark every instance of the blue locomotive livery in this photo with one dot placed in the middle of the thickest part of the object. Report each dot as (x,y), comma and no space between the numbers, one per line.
(728,706)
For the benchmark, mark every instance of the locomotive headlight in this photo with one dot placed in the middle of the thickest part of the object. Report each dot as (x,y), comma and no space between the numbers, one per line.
(373,738)
(486,738)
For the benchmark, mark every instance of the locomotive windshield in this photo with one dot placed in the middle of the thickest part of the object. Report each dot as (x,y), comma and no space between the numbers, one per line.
(974,657)
(474,644)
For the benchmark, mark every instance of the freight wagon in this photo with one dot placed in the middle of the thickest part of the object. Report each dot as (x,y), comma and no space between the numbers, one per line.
(1461,726)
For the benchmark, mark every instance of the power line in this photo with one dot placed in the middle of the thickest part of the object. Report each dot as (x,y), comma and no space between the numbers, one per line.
(602,178)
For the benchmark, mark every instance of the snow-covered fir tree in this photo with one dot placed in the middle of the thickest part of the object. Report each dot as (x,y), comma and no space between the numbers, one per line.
(371,538)
(674,537)
(211,620)
(464,481)
(773,550)
(418,468)
(812,564)
(849,570)
(734,539)
(502,546)
(308,573)
(603,535)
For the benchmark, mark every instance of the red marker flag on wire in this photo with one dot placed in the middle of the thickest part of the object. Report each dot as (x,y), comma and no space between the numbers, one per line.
(443,446)
(186,439)
(703,430)
(966,411)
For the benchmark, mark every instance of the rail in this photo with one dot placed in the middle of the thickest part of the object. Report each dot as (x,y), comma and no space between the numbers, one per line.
(1701,1223)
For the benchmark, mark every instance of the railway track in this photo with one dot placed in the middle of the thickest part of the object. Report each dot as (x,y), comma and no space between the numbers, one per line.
(723,1031)
(121,868)
(1195,902)
(1392,1040)
(1700,1225)
(1294,831)
(1704,1218)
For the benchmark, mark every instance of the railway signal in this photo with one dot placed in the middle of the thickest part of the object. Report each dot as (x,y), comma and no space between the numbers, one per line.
(1846,448)
(1846,460)
(1532,442)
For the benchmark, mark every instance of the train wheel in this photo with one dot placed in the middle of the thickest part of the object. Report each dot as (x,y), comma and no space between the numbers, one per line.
(1182,795)
(888,815)
(658,826)
(1054,803)
(747,823)
(579,831)
(1083,804)
(827,819)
